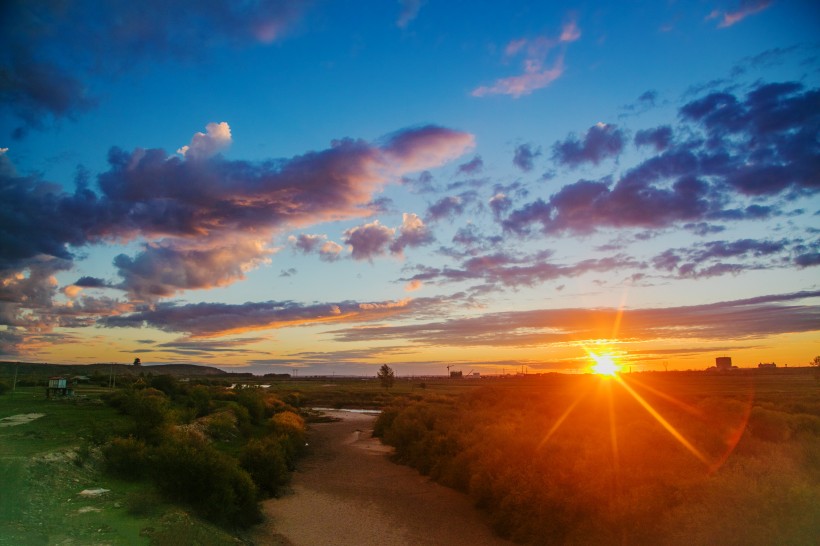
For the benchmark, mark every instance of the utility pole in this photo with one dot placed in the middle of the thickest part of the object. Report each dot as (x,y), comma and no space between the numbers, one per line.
(14,383)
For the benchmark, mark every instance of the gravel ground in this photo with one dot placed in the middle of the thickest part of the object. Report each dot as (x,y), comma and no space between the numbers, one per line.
(347,492)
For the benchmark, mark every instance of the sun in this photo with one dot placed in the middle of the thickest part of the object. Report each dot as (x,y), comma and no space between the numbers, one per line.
(605,365)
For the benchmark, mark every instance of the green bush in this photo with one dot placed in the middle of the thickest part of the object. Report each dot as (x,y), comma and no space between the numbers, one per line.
(188,470)
(127,458)
(266,462)
(4,387)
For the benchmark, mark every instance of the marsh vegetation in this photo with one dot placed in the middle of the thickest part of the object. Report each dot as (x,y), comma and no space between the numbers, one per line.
(644,459)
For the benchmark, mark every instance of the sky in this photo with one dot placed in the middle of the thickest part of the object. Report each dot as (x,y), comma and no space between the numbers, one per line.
(319,188)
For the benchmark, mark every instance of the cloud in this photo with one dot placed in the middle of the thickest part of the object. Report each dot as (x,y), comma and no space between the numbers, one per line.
(204,145)
(369,240)
(412,233)
(537,74)
(409,11)
(423,147)
(499,204)
(205,222)
(760,144)
(473,166)
(328,251)
(162,271)
(503,268)
(38,84)
(525,156)
(710,259)
(745,8)
(731,320)
(600,142)
(659,138)
(446,207)
(203,320)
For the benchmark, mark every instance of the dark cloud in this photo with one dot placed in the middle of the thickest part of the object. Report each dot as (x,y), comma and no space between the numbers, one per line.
(769,137)
(501,268)
(524,157)
(710,259)
(369,240)
(809,259)
(648,98)
(424,183)
(474,166)
(762,144)
(217,319)
(91,282)
(108,38)
(660,138)
(448,207)
(203,348)
(600,142)
(731,320)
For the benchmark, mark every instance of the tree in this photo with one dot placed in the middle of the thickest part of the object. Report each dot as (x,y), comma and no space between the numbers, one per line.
(386,376)
(815,362)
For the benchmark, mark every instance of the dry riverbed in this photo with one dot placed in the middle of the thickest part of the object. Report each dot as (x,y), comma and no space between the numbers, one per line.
(347,492)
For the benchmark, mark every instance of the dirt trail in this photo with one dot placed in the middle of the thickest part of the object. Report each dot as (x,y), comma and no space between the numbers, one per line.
(347,492)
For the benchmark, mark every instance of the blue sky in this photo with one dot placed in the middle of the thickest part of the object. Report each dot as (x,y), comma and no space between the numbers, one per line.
(329,186)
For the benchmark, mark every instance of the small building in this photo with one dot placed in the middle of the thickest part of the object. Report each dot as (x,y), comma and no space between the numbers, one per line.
(724,363)
(59,386)
(767,365)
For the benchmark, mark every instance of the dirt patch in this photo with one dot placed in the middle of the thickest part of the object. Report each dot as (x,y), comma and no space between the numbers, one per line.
(347,492)
(20,419)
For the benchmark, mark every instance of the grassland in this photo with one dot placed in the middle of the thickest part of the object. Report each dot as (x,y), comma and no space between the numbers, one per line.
(551,459)
(677,458)
(46,463)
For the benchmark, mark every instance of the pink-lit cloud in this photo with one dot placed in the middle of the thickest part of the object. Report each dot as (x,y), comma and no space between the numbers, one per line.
(744,9)
(203,145)
(205,222)
(412,233)
(538,73)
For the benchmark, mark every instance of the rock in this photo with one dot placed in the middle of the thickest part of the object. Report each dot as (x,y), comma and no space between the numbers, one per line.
(93,492)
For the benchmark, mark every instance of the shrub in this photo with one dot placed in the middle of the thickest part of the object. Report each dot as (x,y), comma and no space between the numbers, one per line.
(126,458)
(221,426)
(4,387)
(200,400)
(266,462)
(188,470)
(150,410)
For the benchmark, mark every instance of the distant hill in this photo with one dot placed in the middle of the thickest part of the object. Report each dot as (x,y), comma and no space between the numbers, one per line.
(29,368)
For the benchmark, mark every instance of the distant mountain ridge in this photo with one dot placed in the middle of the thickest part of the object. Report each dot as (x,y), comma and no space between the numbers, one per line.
(29,368)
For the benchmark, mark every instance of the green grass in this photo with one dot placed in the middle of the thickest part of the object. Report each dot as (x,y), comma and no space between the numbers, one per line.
(46,463)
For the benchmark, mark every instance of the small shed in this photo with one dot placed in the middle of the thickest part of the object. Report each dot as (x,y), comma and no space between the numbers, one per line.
(59,386)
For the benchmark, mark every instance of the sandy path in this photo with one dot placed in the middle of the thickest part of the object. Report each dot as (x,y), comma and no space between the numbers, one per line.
(346,492)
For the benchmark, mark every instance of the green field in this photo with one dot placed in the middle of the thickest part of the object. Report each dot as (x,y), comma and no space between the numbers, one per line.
(46,463)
